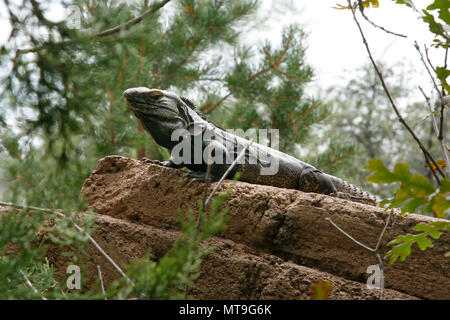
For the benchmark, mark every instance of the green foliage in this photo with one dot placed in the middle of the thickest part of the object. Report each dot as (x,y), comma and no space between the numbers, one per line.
(25,237)
(17,232)
(33,175)
(63,93)
(178,268)
(442,75)
(415,190)
(436,26)
(321,290)
(403,244)
(405,2)
(361,3)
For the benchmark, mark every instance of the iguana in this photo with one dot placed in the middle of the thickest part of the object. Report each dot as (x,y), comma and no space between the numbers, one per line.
(164,113)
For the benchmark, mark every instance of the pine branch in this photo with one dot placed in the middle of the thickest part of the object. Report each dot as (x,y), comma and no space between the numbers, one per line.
(154,7)
(30,284)
(61,215)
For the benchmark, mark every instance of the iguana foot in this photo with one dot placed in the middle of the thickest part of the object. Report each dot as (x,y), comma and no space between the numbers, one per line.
(351,197)
(198,176)
(162,163)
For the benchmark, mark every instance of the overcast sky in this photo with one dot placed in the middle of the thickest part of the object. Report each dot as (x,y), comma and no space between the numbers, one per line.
(335,48)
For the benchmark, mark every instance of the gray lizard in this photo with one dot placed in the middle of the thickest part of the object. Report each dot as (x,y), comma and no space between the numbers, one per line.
(164,115)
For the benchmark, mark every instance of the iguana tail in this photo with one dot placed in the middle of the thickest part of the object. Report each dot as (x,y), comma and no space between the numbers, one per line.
(349,189)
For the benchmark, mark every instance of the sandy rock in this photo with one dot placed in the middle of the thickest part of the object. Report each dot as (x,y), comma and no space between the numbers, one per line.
(267,224)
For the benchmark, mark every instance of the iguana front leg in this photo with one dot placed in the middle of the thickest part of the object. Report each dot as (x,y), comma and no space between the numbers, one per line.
(170,163)
(220,161)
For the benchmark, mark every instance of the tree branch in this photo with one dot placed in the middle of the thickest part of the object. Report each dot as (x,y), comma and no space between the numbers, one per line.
(377,26)
(427,154)
(439,132)
(435,127)
(375,250)
(153,8)
(28,282)
(247,146)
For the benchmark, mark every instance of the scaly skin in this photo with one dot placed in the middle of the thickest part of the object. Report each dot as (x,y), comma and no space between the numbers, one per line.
(162,113)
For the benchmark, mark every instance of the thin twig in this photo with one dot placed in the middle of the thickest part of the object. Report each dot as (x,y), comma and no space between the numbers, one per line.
(28,282)
(388,221)
(381,264)
(349,236)
(207,178)
(227,172)
(380,27)
(61,215)
(375,250)
(218,103)
(435,127)
(101,281)
(439,132)
(441,96)
(155,7)
(427,154)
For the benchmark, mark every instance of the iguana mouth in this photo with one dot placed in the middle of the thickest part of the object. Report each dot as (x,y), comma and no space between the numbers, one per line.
(141,99)
(131,93)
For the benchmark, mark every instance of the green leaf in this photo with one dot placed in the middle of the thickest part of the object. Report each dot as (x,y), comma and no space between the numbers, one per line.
(423,243)
(422,227)
(443,74)
(434,26)
(405,2)
(440,205)
(445,186)
(401,171)
(420,186)
(443,6)
(412,205)
(400,251)
(435,234)
(381,173)
(404,243)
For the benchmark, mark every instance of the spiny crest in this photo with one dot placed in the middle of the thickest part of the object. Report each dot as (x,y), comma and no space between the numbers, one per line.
(191,105)
(188,102)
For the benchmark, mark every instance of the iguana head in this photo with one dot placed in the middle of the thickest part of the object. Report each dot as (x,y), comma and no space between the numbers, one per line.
(161,112)
(157,104)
